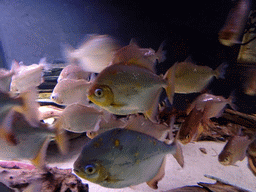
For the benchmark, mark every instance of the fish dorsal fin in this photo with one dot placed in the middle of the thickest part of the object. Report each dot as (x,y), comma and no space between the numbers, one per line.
(161,172)
(134,42)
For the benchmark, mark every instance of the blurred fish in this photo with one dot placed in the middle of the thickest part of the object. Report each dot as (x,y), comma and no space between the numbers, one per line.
(32,142)
(120,158)
(80,118)
(73,72)
(5,79)
(49,111)
(126,89)
(95,54)
(211,105)
(233,28)
(145,57)
(70,91)
(192,127)
(191,78)
(234,150)
(26,76)
(25,103)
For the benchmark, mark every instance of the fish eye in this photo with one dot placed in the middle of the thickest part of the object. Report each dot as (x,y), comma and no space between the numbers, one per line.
(187,136)
(90,169)
(98,92)
(226,159)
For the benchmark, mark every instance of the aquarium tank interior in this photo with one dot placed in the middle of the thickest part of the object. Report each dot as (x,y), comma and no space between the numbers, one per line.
(127,96)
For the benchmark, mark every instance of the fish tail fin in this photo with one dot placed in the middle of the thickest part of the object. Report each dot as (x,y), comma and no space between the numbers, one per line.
(170,77)
(68,53)
(161,54)
(231,100)
(39,160)
(29,107)
(220,71)
(61,137)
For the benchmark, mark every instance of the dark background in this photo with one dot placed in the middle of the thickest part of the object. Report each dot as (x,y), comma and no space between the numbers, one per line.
(30,30)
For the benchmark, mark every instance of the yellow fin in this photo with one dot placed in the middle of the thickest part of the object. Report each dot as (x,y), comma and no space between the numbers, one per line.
(161,172)
(39,160)
(61,137)
(153,111)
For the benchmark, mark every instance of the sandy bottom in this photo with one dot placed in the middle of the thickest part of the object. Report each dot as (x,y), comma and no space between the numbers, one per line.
(197,164)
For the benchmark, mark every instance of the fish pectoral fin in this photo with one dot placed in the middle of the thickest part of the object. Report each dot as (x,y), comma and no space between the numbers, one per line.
(160,175)
(117,104)
(112,179)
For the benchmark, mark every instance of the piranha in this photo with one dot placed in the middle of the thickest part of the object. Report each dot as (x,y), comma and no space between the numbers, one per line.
(94,54)
(191,78)
(145,57)
(80,118)
(211,105)
(73,72)
(26,76)
(127,89)
(121,158)
(31,142)
(234,150)
(70,91)
(192,127)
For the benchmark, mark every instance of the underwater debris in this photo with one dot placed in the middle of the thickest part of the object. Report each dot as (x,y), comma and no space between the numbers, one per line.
(25,177)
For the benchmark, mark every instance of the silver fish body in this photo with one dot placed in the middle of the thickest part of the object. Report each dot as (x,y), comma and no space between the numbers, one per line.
(120,158)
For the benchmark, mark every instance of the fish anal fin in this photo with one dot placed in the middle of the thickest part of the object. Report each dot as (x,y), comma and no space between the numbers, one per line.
(60,137)
(39,160)
(179,154)
(160,175)
(153,110)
